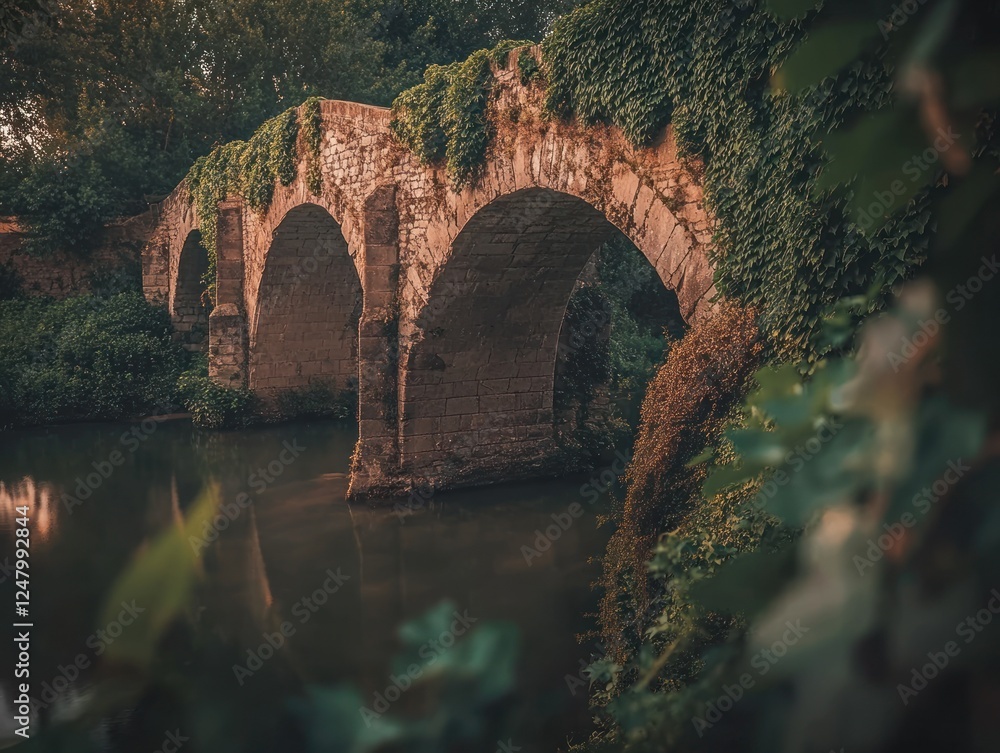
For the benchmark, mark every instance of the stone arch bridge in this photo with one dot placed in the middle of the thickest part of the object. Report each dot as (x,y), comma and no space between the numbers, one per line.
(443,308)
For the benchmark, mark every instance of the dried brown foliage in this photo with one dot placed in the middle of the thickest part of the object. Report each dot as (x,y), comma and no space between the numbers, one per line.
(686,405)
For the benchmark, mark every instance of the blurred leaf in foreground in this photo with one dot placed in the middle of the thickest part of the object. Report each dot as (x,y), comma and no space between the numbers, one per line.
(156,586)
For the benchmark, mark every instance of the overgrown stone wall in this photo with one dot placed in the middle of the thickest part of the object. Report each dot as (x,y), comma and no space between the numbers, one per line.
(67,272)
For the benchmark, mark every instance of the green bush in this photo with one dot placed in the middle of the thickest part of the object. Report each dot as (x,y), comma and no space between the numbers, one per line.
(114,356)
(85,357)
(318,400)
(65,203)
(617,327)
(122,278)
(212,405)
(527,67)
(445,117)
(645,318)
(11,284)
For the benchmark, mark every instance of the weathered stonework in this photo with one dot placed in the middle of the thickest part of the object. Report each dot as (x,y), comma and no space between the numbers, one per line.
(191,307)
(67,272)
(453,342)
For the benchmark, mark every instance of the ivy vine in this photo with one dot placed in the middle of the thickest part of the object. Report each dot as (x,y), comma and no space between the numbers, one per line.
(527,67)
(251,169)
(445,117)
(783,245)
(312,137)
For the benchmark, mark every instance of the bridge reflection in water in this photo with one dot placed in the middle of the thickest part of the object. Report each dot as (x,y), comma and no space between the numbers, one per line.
(343,577)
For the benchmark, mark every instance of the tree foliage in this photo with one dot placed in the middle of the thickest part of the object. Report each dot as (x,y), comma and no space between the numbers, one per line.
(117,98)
(855,618)
(88,357)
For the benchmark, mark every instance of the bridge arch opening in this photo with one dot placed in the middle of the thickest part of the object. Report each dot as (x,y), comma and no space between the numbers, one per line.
(191,302)
(304,333)
(619,322)
(479,395)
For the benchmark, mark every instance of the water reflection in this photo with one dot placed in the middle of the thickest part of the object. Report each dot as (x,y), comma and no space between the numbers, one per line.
(283,539)
(41,501)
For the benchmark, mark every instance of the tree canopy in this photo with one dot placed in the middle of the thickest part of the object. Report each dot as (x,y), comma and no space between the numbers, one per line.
(104,103)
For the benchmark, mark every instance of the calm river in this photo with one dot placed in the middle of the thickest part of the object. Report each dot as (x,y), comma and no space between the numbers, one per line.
(464,546)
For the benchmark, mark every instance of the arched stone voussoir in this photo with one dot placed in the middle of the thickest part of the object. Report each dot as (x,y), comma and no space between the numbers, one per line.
(650,194)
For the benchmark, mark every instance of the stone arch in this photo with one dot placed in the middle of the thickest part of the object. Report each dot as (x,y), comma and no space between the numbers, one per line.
(477,397)
(190,305)
(650,194)
(305,326)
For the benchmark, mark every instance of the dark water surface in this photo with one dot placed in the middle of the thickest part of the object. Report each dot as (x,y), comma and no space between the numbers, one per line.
(271,557)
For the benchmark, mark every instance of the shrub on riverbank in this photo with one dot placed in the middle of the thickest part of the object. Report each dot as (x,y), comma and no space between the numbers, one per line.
(85,358)
(318,400)
(686,406)
(213,406)
(114,356)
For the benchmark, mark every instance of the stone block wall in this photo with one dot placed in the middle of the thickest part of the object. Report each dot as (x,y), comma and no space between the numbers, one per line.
(308,308)
(227,345)
(479,385)
(67,272)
